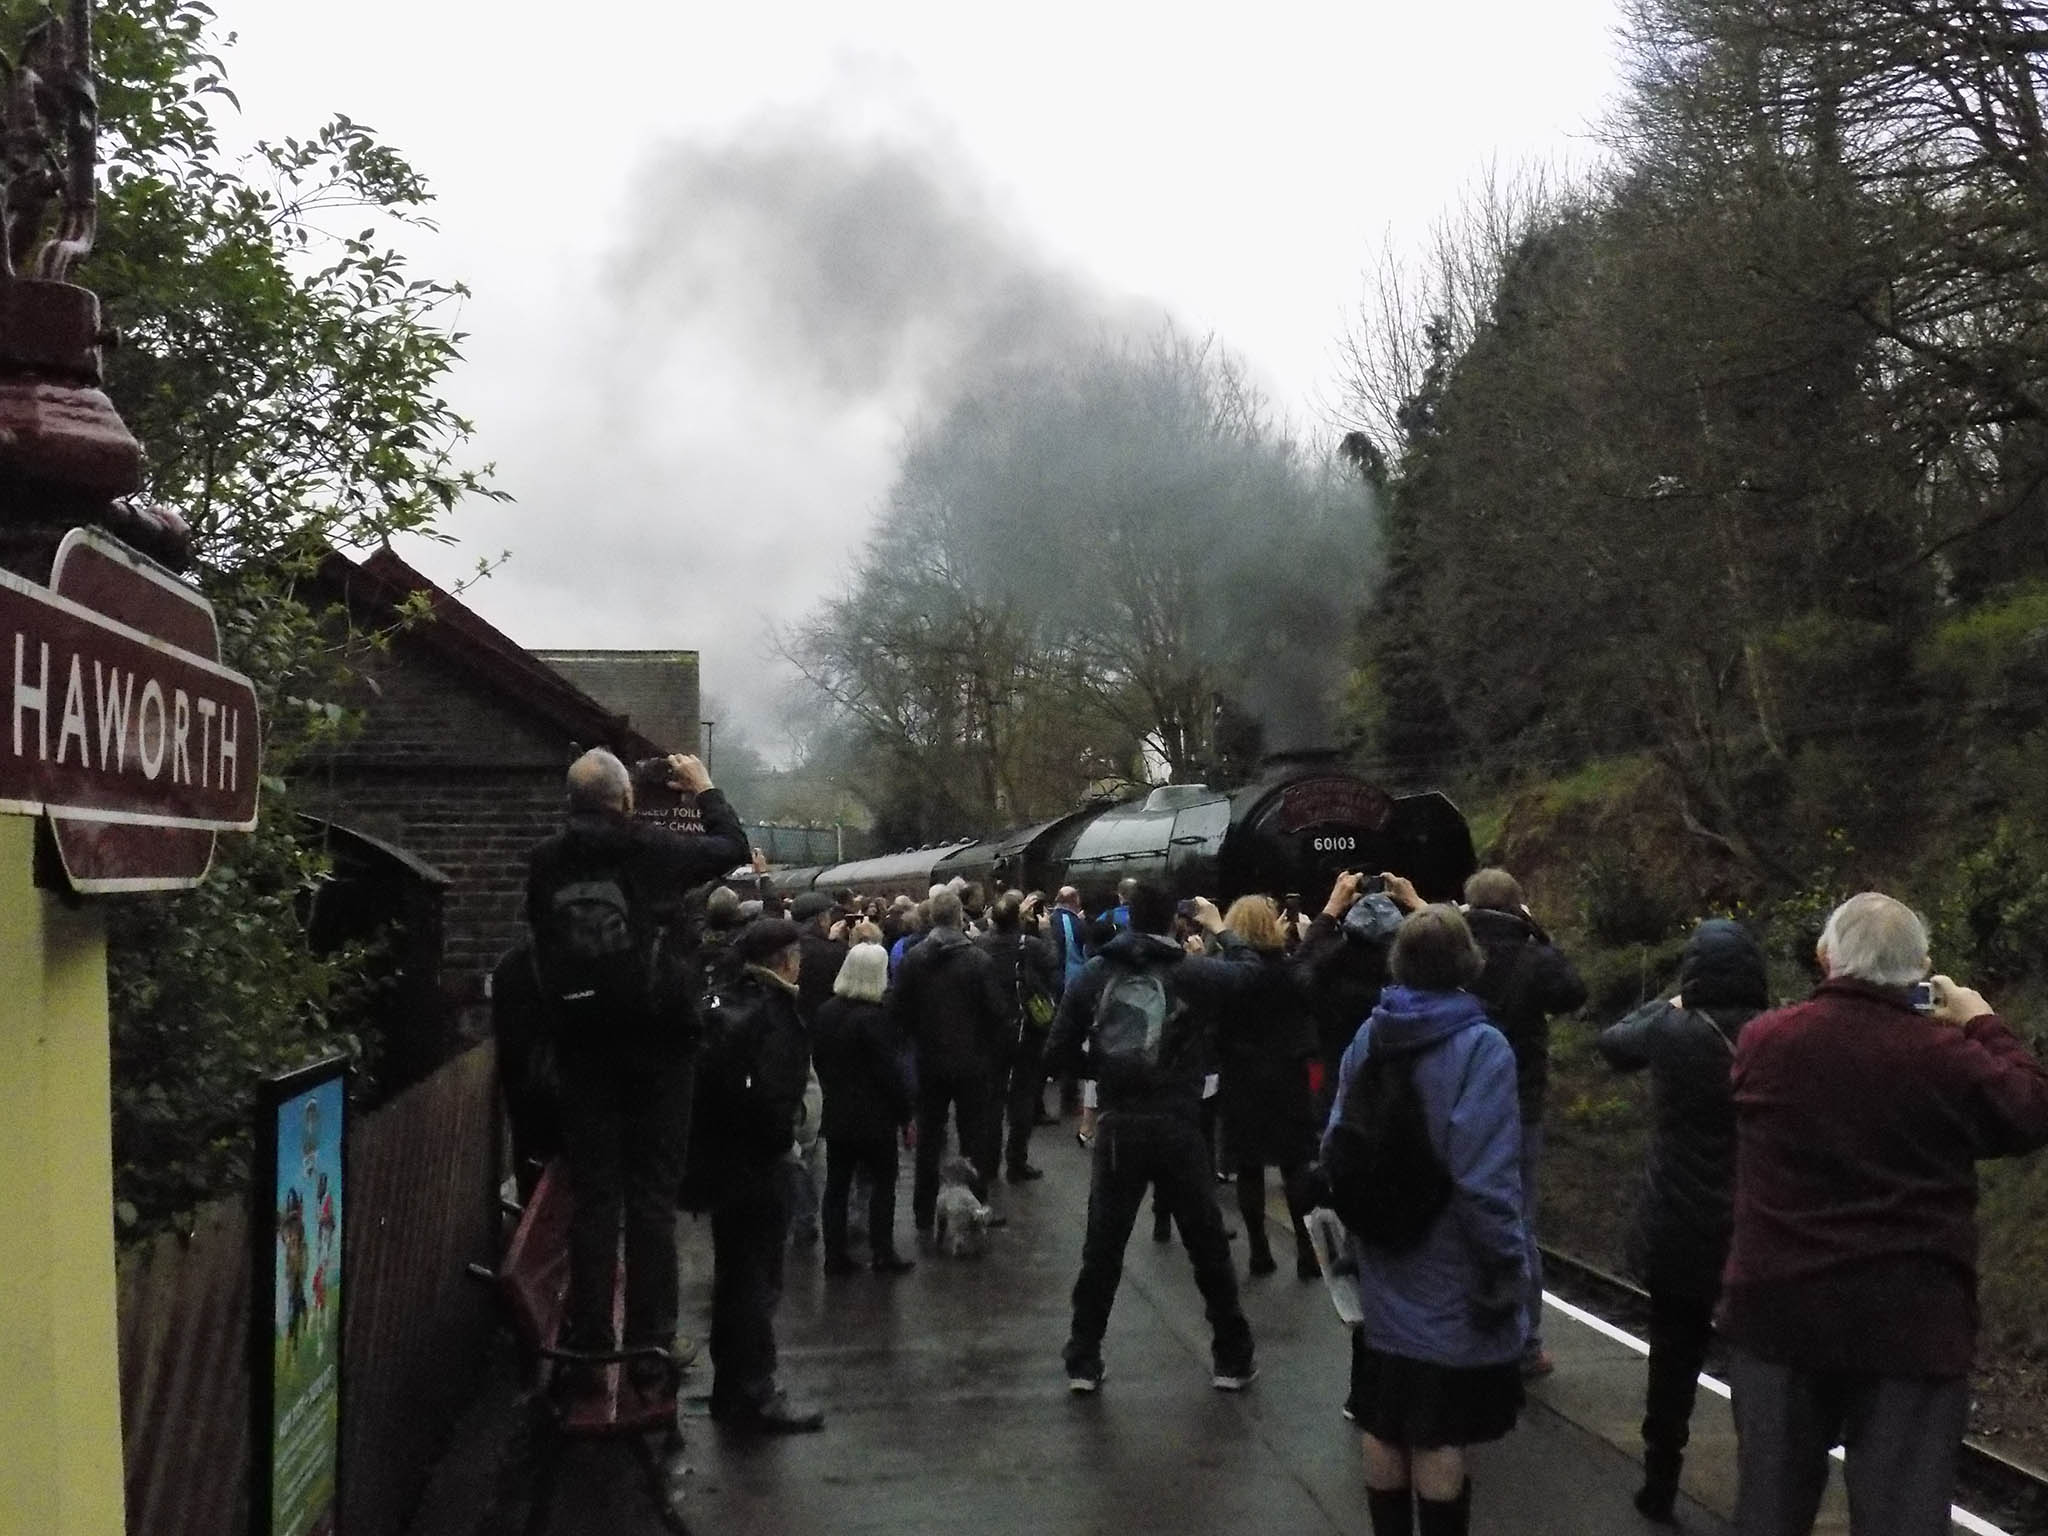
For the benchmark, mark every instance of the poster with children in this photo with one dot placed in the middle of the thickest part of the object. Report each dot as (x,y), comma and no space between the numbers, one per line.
(301,1429)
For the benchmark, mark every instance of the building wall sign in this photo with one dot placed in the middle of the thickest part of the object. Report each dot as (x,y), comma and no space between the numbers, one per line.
(118,721)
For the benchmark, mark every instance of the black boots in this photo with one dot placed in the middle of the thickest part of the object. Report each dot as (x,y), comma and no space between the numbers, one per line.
(1392,1511)
(1657,1499)
(1445,1517)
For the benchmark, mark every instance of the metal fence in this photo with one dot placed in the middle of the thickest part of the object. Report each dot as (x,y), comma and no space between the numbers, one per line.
(802,846)
(420,1201)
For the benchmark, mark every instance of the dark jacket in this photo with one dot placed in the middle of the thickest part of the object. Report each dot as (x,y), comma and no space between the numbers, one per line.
(1021,959)
(822,958)
(859,1057)
(1342,974)
(946,1002)
(1679,1238)
(1526,980)
(1264,1040)
(1203,983)
(741,1136)
(1858,1126)
(1422,1302)
(653,865)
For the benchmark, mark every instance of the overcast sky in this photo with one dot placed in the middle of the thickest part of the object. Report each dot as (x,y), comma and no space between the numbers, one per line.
(723,255)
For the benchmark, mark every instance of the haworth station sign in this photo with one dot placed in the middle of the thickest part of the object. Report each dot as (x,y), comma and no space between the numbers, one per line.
(118,721)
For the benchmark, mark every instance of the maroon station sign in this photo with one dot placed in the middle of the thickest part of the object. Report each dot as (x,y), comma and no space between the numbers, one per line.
(118,721)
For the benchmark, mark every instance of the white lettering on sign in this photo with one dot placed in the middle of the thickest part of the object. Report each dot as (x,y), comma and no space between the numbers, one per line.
(207,710)
(74,715)
(162,727)
(112,703)
(106,722)
(230,728)
(152,762)
(27,698)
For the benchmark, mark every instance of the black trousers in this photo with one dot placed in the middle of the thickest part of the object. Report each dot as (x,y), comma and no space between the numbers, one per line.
(1167,1152)
(844,1158)
(1027,1081)
(1211,1130)
(971,1097)
(747,1231)
(1681,1327)
(1251,1205)
(1900,1436)
(625,1127)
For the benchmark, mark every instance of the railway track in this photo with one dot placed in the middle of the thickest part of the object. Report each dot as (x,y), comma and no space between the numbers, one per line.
(2014,1497)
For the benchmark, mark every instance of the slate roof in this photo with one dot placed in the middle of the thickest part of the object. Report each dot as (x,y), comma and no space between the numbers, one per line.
(656,691)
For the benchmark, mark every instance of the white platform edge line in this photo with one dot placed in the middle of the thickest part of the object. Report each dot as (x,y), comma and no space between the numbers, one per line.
(1975,1524)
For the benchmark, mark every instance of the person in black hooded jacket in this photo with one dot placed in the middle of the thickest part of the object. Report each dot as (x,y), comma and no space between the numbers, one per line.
(946,1001)
(1679,1239)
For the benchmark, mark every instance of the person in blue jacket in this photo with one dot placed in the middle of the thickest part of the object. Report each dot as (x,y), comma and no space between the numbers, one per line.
(1435,1367)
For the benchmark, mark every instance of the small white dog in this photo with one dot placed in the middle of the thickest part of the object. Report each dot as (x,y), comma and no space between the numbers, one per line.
(962,1220)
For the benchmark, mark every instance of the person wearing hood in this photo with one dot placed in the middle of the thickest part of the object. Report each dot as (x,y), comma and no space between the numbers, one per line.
(1527,981)
(947,1003)
(1149,1129)
(1436,1362)
(1342,961)
(1678,1240)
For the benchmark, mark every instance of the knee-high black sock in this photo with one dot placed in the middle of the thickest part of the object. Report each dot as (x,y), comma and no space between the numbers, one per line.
(1445,1517)
(1392,1511)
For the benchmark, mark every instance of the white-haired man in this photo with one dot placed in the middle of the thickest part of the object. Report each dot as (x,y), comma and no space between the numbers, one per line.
(1851,1287)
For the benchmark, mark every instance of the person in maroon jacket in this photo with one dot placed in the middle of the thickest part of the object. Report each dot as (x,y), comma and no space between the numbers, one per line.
(1851,1288)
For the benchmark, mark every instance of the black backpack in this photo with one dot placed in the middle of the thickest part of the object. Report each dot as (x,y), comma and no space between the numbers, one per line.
(1387,1184)
(593,950)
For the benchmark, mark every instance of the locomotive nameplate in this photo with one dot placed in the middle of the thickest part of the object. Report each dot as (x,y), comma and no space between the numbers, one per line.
(1334,802)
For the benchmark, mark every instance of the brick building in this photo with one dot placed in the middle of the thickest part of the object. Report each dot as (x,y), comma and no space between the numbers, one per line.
(459,762)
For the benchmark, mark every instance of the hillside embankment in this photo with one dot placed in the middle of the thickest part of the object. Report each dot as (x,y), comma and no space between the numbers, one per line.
(1612,869)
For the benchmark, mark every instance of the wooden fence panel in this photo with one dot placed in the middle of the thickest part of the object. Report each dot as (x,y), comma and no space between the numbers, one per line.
(421,1205)
(422,1182)
(184,1326)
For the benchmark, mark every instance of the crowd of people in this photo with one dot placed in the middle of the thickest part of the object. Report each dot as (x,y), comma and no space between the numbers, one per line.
(1808,1192)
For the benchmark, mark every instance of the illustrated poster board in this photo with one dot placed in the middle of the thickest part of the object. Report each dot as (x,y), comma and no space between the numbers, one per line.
(299,1230)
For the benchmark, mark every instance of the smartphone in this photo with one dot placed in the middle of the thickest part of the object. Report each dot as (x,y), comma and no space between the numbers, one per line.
(1921,996)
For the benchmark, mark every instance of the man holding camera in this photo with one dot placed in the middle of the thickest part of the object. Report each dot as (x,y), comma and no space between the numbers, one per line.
(1850,1292)
(602,899)
(1145,1011)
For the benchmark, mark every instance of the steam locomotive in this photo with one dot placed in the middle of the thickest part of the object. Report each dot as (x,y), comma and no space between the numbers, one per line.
(1302,821)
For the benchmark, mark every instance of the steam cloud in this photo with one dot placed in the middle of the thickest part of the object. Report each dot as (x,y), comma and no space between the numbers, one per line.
(872,269)
(876,280)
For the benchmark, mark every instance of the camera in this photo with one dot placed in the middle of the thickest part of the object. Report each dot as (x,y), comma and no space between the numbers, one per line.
(1921,996)
(653,773)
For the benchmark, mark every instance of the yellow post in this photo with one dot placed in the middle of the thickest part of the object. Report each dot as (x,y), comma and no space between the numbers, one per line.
(60,1388)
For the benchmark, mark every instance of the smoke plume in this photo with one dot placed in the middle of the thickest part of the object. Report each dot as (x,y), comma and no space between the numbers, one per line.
(874,269)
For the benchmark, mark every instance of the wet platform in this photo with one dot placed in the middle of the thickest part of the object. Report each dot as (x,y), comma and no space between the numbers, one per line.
(947,1409)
